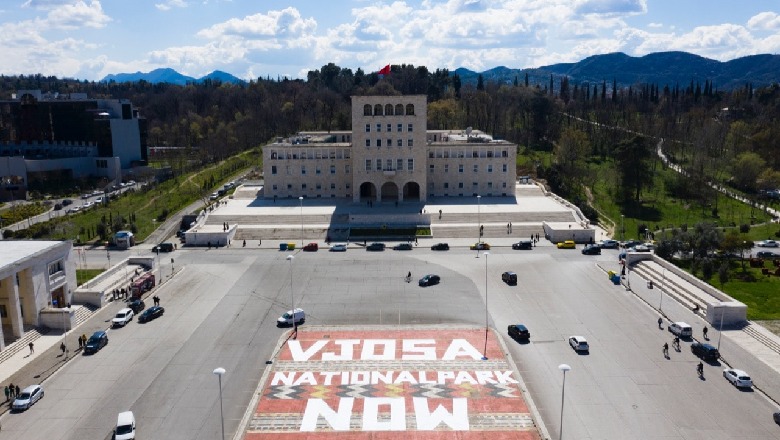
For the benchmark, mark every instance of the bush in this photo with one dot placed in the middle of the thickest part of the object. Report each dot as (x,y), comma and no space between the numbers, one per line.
(743,228)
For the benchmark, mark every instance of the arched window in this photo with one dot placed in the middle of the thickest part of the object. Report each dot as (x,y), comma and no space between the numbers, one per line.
(399,109)
(410,109)
(378,110)
(389,110)
(367,110)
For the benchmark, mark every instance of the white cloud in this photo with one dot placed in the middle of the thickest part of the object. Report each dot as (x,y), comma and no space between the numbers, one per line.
(78,15)
(170,4)
(611,7)
(286,23)
(764,21)
(655,25)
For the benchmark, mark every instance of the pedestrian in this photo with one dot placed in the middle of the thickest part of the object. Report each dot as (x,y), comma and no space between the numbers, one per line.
(440,214)
(63,347)
(209,244)
(32,347)
(704,330)
(7,393)
(84,340)
(244,243)
(18,391)
(510,227)
(81,343)
(12,390)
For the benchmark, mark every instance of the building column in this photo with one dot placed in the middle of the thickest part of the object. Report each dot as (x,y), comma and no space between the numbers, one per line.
(15,312)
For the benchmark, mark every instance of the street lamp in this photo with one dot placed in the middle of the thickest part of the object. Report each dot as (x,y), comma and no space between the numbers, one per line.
(219,372)
(661,291)
(301,200)
(564,368)
(622,227)
(484,351)
(479,225)
(720,328)
(290,258)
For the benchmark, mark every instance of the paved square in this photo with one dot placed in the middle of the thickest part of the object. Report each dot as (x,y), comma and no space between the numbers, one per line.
(386,382)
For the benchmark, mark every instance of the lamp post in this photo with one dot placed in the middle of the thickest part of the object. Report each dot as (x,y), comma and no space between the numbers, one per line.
(108,255)
(479,225)
(564,368)
(290,258)
(661,291)
(219,372)
(720,327)
(484,351)
(301,200)
(622,227)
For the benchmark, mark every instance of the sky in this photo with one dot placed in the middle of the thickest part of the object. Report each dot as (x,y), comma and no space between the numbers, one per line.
(89,39)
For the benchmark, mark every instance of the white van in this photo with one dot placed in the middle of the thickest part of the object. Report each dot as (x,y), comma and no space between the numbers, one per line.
(681,329)
(125,426)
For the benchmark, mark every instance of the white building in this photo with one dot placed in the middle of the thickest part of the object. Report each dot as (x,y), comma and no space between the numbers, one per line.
(34,275)
(389,156)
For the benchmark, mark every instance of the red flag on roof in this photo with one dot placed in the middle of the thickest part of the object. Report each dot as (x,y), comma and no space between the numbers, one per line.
(385,70)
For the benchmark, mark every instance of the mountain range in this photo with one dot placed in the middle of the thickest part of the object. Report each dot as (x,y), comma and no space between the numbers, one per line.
(660,68)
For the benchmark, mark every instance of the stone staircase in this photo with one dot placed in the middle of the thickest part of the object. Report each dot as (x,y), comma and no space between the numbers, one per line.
(30,335)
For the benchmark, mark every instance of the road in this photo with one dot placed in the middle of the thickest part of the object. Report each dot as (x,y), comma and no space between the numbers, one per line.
(222,307)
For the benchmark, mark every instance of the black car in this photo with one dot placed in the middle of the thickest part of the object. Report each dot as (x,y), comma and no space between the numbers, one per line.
(630,243)
(375,247)
(136,305)
(402,247)
(163,247)
(523,245)
(440,247)
(591,249)
(767,254)
(66,202)
(518,331)
(509,278)
(705,351)
(151,313)
(429,280)
(98,340)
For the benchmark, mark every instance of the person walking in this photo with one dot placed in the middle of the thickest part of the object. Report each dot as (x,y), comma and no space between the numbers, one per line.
(7,394)
(81,343)
(704,330)
(63,347)
(18,391)
(700,369)
(666,350)
(12,390)
(32,347)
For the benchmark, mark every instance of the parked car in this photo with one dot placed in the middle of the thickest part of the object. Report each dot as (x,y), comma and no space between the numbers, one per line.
(67,202)
(57,206)
(630,243)
(776,417)
(640,248)
(568,244)
(125,426)
(375,247)
(73,210)
(509,278)
(579,344)
(767,243)
(287,318)
(591,249)
(163,247)
(609,244)
(518,331)
(27,398)
(340,247)
(440,247)
(680,329)
(482,246)
(122,317)
(98,340)
(136,305)
(523,245)
(738,378)
(402,247)
(767,254)
(429,280)
(311,247)
(705,351)
(151,313)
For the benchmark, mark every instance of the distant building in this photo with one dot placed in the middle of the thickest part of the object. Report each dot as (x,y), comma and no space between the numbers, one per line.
(389,156)
(34,276)
(50,137)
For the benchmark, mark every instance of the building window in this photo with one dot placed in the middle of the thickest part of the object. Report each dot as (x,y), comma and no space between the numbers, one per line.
(446,168)
(400,128)
(289,186)
(289,170)
(368,164)
(400,143)
(430,155)
(378,128)
(319,186)
(275,188)
(379,142)
(490,185)
(446,185)
(388,109)
(399,164)
(273,169)
(431,167)
(490,153)
(347,186)
(460,168)
(303,186)
(503,168)
(368,128)
(399,109)
(332,186)
(303,169)
(367,110)
(504,153)
(490,168)
(410,142)
(474,184)
(389,143)
(503,185)
(317,169)
(333,169)
(378,110)
(389,128)
(474,154)
(346,169)
(410,164)
(476,168)
(460,185)
(410,128)
(410,110)
(368,142)
(379,164)
(388,164)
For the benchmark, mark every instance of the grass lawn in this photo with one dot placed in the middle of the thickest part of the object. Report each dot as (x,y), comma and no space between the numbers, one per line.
(84,275)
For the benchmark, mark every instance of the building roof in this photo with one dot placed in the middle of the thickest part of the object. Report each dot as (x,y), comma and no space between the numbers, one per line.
(14,251)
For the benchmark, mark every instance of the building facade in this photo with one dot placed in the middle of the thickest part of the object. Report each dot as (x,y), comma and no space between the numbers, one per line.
(389,156)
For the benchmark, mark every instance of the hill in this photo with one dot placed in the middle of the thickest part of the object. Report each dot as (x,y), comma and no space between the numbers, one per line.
(171,76)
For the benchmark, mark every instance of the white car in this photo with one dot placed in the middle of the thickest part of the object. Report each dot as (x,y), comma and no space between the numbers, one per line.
(27,397)
(681,329)
(738,378)
(287,318)
(340,247)
(579,343)
(122,317)
(767,243)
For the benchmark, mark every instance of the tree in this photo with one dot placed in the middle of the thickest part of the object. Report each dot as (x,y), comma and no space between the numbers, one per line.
(571,152)
(633,166)
(746,170)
